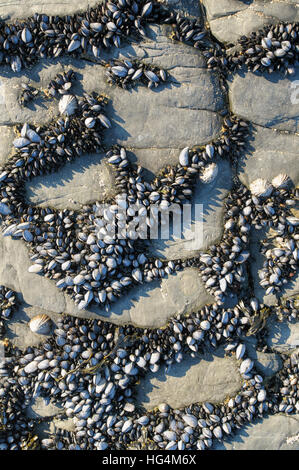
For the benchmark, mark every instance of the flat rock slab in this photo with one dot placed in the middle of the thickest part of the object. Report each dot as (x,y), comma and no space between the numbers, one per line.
(7,135)
(282,336)
(270,153)
(18,331)
(41,408)
(206,225)
(84,181)
(268,101)
(15,9)
(231,19)
(277,432)
(151,305)
(267,364)
(207,378)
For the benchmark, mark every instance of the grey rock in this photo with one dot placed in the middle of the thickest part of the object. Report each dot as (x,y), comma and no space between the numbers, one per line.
(268,364)
(18,330)
(208,377)
(223,8)
(84,181)
(277,432)
(7,136)
(185,7)
(194,94)
(15,9)
(267,102)
(41,408)
(282,336)
(148,305)
(230,19)
(271,153)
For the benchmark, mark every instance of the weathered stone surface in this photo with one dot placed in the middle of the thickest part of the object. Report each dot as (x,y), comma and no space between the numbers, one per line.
(36,290)
(7,136)
(206,227)
(212,377)
(219,8)
(277,432)
(67,424)
(39,407)
(270,153)
(268,364)
(230,19)
(268,101)
(18,330)
(86,180)
(282,336)
(15,9)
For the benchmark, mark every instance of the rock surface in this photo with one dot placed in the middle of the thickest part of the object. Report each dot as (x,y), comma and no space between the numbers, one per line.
(278,432)
(149,305)
(87,180)
(194,98)
(15,9)
(154,126)
(270,153)
(283,336)
(231,19)
(267,101)
(207,378)
(40,407)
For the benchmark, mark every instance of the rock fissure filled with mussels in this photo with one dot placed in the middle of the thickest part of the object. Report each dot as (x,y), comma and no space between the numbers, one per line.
(92,368)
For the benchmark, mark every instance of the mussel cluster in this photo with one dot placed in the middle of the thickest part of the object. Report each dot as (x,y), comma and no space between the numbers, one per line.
(8,303)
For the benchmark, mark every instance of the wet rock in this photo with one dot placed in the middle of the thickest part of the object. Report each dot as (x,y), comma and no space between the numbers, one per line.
(41,408)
